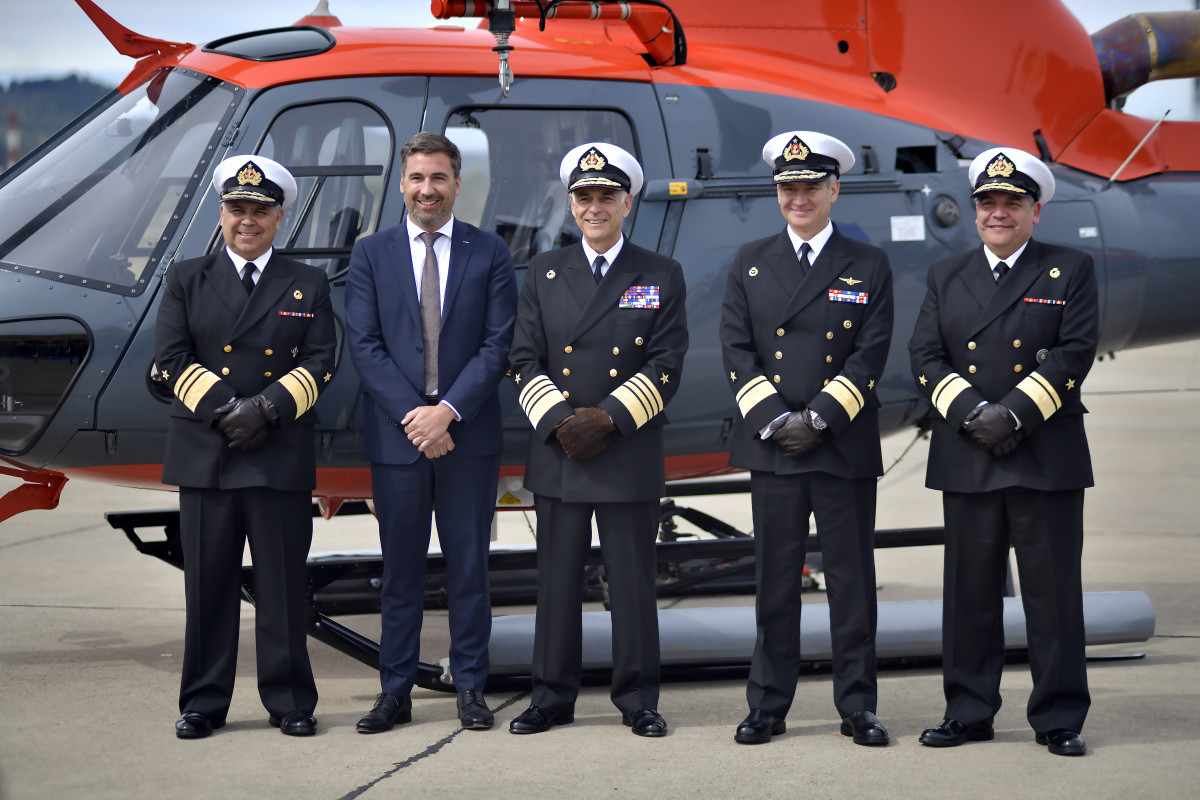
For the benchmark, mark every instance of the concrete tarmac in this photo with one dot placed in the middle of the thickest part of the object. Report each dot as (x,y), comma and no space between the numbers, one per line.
(91,638)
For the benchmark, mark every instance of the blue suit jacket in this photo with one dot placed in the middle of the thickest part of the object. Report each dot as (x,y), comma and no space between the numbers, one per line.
(383,321)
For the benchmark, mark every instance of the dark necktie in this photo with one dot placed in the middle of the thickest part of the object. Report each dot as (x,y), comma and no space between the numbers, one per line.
(431,312)
(248,277)
(597,266)
(1001,271)
(805,264)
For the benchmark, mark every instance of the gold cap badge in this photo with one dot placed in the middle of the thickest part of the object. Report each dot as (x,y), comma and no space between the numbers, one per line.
(251,175)
(592,160)
(795,150)
(1000,167)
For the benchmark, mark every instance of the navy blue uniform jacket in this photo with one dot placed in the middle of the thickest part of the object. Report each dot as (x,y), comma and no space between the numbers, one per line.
(816,342)
(213,344)
(618,345)
(1027,342)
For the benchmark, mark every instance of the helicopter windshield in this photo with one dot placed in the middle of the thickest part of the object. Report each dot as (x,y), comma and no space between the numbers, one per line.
(97,207)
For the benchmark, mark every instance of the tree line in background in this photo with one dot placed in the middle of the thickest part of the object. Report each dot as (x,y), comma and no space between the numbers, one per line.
(44,106)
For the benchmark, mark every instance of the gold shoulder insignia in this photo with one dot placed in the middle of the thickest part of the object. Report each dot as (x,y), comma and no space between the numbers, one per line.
(328,375)
(1070,384)
(664,378)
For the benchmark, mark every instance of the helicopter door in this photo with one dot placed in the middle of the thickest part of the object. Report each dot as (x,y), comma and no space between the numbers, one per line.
(339,140)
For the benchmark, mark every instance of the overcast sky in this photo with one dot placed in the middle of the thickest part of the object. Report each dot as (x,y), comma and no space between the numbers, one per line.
(50,38)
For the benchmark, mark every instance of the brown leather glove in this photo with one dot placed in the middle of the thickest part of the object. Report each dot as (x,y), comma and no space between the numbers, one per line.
(247,421)
(795,435)
(584,435)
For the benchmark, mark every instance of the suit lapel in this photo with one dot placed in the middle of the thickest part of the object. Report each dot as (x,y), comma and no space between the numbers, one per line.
(272,283)
(781,266)
(1010,289)
(460,255)
(578,275)
(396,269)
(605,295)
(820,275)
(222,277)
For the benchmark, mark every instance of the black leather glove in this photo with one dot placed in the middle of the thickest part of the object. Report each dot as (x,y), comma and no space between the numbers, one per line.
(1008,445)
(247,421)
(990,425)
(796,435)
(584,435)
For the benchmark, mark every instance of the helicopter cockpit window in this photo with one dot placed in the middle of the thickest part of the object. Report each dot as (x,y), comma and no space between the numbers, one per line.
(337,152)
(510,160)
(96,209)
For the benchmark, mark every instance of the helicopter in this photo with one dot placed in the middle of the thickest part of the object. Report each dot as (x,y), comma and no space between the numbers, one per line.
(93,218)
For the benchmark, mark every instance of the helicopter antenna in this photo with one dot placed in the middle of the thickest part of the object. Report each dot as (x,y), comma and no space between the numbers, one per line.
(1145,139)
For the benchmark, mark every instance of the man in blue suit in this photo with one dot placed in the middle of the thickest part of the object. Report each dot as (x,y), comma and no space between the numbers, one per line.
(430,305)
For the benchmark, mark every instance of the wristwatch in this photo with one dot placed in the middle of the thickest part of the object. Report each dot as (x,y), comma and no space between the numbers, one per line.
(814,420)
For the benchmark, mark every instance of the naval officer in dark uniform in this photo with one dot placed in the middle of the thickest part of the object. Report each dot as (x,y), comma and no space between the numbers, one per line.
(1003,341)
(805,330)
(245,340)
(600,337)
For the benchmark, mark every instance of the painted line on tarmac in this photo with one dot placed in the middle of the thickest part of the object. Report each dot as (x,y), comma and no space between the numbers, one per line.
(428,751)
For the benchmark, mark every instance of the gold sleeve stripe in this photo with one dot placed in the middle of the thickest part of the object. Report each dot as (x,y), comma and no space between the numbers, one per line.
(640,398)
(1041,392)
(753,393)
(538,397)
(947,390)
(847,394)
(193,384)
(301,385)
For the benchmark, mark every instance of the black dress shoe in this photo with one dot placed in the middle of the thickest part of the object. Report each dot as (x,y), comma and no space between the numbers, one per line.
(473,712)
(194,725)
(389,709)
(865,729)
(646,722)
(536,719)
(758,728)
(1062,742)
(294,723)
(952,733)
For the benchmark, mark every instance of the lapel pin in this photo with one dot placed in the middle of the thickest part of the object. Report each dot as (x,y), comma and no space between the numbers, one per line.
(551,274)
(296,294)
(1054,273)
(753,271)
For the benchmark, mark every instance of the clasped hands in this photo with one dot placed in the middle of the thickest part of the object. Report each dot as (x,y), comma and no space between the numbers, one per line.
(247,421)
(426,429)
(795,434)
(584,434)
(993,428)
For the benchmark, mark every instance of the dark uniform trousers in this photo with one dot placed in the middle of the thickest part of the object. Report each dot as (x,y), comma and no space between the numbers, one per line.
(618,345)
(1027,342)
(214,343)
(818,340)
(627,535)
(215,525)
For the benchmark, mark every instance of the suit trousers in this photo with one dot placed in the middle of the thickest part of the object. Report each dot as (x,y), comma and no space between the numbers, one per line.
(461,492)
(1046,531)
(564,536)
(214,525)
(844,509)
